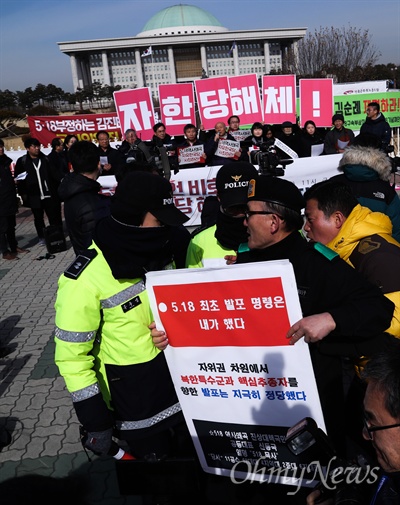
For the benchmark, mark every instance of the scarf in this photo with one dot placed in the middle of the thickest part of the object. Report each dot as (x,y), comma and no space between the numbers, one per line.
(131,251)
(230,231)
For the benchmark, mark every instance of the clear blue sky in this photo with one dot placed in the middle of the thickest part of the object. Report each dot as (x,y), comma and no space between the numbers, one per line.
(30,29)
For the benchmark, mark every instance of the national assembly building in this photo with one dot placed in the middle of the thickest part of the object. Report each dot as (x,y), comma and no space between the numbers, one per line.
(179,44)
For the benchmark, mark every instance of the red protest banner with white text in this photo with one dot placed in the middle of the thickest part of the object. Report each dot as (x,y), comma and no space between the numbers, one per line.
(213,99)
(279,98)
(316,101)
(245,98)
(84,126)
(135,110)
(176,106)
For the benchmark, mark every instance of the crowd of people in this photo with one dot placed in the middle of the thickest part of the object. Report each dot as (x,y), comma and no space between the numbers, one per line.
(340,236)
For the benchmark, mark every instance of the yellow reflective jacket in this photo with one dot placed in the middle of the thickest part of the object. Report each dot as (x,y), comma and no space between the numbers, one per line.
(204,246)
(101,335)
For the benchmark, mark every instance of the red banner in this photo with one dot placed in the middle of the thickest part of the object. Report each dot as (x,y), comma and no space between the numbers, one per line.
(279,98)
(212,321)
(177,106)
(135,110)
(84,126)
(213,99)
(245,98)
(316,101)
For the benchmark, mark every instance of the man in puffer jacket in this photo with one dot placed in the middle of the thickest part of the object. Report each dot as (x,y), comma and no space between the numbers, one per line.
(79,190)
(366,169)
(362,238)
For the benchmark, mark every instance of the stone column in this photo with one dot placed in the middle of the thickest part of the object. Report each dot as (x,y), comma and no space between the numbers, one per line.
(106,72)
(74,69)
(236,60)
(171,62)
(266,57)
(203,55)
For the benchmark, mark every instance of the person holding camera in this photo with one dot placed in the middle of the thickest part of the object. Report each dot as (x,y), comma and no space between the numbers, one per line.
(134,150)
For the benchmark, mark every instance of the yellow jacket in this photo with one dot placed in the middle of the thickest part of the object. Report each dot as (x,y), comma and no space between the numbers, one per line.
(365,242)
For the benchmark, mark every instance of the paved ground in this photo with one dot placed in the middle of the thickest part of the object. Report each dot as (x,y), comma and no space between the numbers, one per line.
(35,407)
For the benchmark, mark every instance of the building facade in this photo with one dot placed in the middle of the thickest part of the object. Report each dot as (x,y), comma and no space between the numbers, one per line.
(181,43)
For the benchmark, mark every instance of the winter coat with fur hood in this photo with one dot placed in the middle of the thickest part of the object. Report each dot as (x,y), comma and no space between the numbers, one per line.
(367,171)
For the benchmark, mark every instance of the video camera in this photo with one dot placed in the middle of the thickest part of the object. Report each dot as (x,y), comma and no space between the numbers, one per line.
(268,161)
(347,483)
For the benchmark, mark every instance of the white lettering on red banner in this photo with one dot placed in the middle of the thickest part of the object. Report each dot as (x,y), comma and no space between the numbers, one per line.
(177,106)
(316,101)
(245,98)
(279,98)
(213,100)
(135,110)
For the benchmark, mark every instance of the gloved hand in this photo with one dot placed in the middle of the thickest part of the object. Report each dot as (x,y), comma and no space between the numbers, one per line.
(99,441)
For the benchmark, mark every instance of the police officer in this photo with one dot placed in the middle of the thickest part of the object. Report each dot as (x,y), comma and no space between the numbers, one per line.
(119,382)
(224,231)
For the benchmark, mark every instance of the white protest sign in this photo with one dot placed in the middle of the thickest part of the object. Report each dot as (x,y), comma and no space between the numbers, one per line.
(227,148)
(240,384)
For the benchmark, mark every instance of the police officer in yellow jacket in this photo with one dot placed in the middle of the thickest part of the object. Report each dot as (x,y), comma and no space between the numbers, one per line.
(119,382)
(210,244)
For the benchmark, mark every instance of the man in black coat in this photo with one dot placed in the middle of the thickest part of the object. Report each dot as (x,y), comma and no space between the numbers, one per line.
(35,185)
(111,160)
(8,208)
(376,124)
(79,190)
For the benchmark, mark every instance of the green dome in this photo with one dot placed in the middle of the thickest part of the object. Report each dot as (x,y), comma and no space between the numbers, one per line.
(182,16)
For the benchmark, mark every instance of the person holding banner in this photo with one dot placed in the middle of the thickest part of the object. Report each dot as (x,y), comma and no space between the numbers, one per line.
(312,144)
(119,382)
(337,139)
(222,148)
(288,142)
(187,157)
(111,160)
(343,314)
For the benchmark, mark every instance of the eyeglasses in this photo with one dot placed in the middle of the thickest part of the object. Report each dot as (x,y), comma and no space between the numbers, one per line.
(370,429)
(250,213)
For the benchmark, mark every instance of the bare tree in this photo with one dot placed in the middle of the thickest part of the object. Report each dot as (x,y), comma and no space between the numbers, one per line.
(330,50)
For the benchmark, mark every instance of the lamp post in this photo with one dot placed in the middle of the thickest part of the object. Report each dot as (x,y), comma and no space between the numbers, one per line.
(394,70)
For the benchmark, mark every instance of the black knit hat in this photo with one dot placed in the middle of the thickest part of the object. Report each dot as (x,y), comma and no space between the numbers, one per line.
(232,182)
(141,192)
(276,190)
(335,117)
